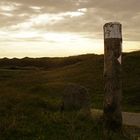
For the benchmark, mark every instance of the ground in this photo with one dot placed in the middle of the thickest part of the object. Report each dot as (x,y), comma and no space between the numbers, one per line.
(30,96)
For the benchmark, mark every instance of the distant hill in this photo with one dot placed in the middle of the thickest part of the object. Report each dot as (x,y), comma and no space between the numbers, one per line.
(44,62)
(47,63)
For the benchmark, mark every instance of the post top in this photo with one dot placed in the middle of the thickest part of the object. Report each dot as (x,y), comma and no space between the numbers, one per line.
(112,23)
(112,30)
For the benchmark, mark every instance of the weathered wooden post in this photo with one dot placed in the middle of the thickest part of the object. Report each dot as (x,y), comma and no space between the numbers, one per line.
(112,76)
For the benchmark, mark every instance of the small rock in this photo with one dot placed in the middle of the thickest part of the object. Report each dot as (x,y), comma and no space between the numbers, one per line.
(75,97)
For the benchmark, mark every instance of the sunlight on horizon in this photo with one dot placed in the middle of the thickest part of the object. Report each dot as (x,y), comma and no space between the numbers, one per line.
(52,44)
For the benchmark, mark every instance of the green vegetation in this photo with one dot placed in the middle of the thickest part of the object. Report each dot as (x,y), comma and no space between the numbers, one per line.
(31,91)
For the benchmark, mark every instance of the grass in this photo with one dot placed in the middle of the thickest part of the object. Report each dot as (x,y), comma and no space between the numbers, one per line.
(30,96)
(30,117)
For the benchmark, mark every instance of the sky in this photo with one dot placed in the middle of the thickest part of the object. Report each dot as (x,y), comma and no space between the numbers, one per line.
(57,28)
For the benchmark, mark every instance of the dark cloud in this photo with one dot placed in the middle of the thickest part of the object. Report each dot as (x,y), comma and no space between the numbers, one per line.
(115,5)
(51,5)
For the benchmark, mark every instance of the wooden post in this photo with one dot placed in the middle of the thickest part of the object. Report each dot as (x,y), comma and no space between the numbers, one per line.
(112,76)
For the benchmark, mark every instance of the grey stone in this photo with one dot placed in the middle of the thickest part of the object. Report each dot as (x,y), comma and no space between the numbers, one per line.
(75,97)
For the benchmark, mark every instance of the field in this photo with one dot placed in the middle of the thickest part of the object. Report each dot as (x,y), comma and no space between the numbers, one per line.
(31,92)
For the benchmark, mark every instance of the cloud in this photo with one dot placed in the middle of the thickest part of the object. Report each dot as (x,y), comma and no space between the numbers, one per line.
(79,16)
(50,5)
